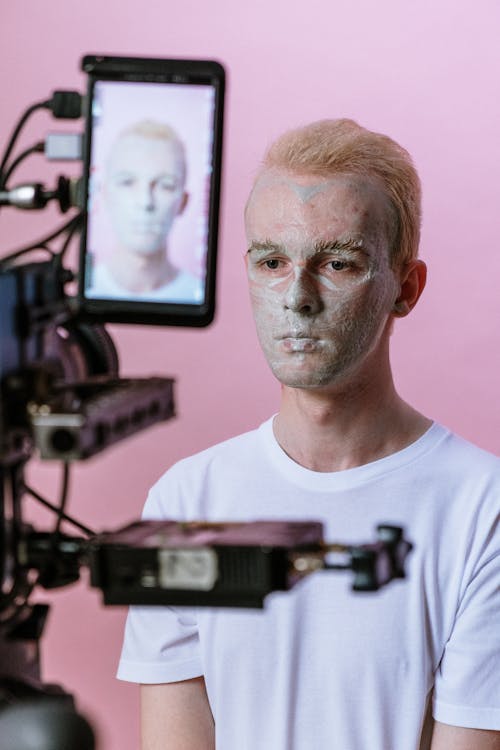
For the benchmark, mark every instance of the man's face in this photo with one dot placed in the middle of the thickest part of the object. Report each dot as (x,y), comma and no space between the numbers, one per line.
(321,284)
(144,191)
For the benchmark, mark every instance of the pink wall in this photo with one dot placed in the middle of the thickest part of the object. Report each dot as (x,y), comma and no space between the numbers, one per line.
(425,73)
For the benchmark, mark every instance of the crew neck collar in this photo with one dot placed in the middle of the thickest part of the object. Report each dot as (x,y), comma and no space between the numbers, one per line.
(347,478)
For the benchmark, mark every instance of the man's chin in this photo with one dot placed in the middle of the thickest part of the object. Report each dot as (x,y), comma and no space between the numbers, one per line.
(306,380)
(145,250)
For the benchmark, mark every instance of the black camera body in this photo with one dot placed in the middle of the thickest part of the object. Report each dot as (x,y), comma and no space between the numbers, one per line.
(60,390)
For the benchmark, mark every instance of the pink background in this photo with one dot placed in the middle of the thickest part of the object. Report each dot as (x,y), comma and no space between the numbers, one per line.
(189,111)
(427,74)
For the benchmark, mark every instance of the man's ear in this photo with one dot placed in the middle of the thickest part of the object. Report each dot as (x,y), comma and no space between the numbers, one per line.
(183,203)
(412,278)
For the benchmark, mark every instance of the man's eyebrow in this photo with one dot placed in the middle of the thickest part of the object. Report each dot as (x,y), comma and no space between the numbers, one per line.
(267,246)
(349,245)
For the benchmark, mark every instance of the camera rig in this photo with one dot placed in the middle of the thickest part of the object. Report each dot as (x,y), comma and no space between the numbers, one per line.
(61,396)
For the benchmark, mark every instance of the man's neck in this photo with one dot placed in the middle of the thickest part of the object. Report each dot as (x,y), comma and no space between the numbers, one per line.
(333,430)
(141,273)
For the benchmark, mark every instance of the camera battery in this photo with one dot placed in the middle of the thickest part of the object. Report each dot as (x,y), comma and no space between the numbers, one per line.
(200,563)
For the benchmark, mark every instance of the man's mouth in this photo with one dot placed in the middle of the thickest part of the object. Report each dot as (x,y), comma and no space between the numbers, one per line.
(300,343)
(146,227)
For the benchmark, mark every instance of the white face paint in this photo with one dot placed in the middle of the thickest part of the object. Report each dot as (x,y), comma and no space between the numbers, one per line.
(144,191)
(321,284)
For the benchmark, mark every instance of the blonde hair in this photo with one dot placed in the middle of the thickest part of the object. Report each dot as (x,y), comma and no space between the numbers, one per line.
(157,130)
(342,146)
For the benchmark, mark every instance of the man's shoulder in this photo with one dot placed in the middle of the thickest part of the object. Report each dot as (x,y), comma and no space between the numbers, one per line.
(102,284)
(201,484)
(185,286)
(467,478)
(233,445)
(467,456)
(226,453)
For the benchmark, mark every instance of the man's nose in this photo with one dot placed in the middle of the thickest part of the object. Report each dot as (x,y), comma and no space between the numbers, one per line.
(147,197)
(302,293)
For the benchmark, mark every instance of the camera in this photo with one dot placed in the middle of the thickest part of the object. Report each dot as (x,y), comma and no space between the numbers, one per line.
(148,196)
(149,200)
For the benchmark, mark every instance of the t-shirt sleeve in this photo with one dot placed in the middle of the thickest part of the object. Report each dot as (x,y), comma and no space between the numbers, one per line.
(161,643)
(467,684)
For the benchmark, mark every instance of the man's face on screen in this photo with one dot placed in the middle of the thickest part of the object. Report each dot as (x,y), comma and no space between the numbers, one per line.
(144,191)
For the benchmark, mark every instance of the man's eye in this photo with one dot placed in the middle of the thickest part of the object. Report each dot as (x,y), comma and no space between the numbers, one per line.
(272,263)
(338,265)
(167,185)
(124,181)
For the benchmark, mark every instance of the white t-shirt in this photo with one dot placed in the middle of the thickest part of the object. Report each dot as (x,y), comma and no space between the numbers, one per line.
(184,288)
(321,666)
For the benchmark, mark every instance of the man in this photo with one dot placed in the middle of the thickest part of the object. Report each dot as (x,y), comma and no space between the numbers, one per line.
(144,192)
(333,226)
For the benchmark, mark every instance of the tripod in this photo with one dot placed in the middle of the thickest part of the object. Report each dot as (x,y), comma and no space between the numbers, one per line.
(33,715)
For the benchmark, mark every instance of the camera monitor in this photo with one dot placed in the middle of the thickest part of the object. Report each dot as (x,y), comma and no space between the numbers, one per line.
(151,190)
